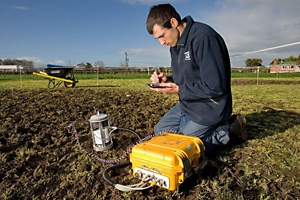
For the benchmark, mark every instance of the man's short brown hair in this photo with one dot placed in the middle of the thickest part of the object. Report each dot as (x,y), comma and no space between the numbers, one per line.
(161,15)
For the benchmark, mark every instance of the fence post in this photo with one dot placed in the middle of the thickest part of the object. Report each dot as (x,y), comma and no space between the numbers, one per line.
(257,75)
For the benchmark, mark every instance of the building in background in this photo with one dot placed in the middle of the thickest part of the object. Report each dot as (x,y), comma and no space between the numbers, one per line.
(284,67)
(10,68)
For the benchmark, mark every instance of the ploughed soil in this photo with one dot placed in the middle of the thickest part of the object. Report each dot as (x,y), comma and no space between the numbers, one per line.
(41,159)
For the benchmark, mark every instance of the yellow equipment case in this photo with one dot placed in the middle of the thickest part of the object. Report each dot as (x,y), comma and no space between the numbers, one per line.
(167,160)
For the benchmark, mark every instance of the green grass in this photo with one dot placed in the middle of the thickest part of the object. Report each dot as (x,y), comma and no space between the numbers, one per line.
(113,76)
(121,81)
(16,77)
(86,83)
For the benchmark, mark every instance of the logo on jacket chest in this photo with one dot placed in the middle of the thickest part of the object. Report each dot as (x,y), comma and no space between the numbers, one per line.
(187,55)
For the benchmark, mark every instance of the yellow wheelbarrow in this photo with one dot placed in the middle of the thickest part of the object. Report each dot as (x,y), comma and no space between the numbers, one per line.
(57,74)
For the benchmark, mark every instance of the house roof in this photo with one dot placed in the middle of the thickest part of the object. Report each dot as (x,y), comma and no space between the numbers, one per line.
(290,63)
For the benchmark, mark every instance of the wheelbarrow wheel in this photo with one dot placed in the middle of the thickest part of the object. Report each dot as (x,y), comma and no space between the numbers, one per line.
(68,84)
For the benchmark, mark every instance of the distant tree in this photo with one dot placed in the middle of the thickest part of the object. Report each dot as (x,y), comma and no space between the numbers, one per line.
(253,62)
(291,58)
(81,65)
(88,66)
(85,66)
(29,64)
(8,62)
(99,64)
(24,63)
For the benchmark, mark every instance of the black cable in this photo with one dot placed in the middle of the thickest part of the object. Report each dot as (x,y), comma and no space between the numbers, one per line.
(105,172)
(125,129)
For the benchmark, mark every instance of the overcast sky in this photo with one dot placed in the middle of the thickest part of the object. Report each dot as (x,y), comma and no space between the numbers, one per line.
(75,31)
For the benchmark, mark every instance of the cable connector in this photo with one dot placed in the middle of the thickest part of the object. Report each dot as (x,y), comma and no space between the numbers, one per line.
(153,183)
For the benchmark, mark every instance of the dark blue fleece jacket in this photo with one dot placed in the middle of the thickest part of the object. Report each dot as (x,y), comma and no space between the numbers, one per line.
(201,69)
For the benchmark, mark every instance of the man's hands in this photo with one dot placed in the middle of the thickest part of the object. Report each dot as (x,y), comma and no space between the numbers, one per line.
(161,78)
(158,77)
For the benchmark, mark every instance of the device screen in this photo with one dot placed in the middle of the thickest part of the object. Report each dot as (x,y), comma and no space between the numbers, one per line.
(156,85)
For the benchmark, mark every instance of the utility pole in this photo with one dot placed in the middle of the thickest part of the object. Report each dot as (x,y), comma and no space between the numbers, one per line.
(126,60)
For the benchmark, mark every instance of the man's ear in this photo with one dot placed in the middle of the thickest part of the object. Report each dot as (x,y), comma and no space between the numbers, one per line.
(174,22)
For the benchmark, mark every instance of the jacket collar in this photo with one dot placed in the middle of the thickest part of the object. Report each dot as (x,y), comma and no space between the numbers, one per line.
(182,40)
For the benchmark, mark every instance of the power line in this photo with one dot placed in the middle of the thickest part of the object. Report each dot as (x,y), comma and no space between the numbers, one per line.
(277,47)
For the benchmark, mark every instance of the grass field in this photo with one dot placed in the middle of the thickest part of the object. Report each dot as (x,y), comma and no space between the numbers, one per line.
(136,81)
(40,160)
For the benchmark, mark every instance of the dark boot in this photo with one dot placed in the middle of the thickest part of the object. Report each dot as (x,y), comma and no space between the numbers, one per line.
(237,125)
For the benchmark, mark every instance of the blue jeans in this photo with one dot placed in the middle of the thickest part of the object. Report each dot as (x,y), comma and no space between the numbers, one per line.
(176,121)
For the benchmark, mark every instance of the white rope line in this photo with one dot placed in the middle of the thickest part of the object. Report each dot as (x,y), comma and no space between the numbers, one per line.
(277,47)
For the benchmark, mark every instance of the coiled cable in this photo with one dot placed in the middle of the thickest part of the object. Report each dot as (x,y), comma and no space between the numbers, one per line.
(126,188)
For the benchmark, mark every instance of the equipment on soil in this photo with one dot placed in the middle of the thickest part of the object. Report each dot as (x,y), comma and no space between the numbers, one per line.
(101,132)
(164,160)
(168,159)
(59,73)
